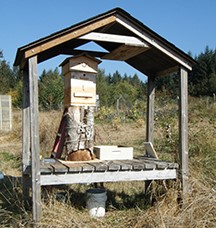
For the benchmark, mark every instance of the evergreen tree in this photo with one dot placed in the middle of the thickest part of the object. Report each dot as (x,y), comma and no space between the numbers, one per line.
(116,78)
(102,87)
(7,77)
(202,78)
(51,90)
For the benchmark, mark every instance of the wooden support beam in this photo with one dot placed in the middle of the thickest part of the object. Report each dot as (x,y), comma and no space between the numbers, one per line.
(34,139)
(113,38)
(183,127)
(26,153)
(150,109)
(64,37)
(124,52)
(93,177)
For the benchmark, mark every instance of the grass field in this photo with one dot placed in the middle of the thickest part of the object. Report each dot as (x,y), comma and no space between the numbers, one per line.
(126,205)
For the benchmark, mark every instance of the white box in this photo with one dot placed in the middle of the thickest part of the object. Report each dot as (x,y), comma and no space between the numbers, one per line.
(113,152)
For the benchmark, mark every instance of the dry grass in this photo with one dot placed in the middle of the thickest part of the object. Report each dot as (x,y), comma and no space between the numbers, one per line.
(127,206)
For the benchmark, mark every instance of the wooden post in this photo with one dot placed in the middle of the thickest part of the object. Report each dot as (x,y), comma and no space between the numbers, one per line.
(150,119)
(150,109)
(26,154)
(34,139)
(183,128)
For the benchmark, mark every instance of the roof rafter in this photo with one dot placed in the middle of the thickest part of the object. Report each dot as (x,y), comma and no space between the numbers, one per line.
(104,37)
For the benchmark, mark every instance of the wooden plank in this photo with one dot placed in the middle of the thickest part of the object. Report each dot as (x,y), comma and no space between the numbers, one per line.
(112,166)
(34,139)
(146,165)
(83,166)
(150,110)
(74,167)
(58,167)
(124,52)
(157,164)
(114,38)
(62,38)
(135,165)
(99,166)
(183,127)
(153,42)
(26,154)
(109,177)
(122,166)
(150,150)
(46,169)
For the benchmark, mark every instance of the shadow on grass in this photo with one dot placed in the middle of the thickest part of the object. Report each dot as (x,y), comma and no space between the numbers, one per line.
(11,205)
(119,200)
(12,210)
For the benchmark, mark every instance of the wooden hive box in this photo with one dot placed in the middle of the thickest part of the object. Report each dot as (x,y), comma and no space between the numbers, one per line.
(80,80)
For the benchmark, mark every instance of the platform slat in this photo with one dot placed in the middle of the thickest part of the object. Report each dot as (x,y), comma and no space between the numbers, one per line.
(112,166)
(160,163)
(58,167)
(46,169)
(74,167)
(99,166)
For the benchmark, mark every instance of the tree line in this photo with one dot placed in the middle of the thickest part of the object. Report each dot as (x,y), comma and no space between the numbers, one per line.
(111,88)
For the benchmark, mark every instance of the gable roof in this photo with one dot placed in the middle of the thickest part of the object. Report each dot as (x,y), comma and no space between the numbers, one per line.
(121,35)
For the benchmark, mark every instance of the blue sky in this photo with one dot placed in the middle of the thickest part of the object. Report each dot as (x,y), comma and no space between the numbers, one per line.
(188,24)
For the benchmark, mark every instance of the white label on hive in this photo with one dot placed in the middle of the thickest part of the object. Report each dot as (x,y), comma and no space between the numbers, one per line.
(89,95)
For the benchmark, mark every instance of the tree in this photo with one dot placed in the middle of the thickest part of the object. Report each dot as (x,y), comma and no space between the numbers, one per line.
(202,77)
(7,77)
(51,90)
(168,83)
(116,77)
(102,87)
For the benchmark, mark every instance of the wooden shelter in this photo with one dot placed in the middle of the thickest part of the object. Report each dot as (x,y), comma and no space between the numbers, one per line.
(125,39)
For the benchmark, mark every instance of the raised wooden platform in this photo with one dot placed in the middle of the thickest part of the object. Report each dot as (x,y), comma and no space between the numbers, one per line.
(54,172)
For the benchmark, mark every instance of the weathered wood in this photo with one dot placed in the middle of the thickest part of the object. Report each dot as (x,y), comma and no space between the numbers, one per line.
(183,128)
(26,154)
(59,167)
(150,110)
(61,38)
(74,167)
(122,165)
(112,166)
(160,163)
(94,177)
(150,150)
(113,38)
(99,166)
(124,52)
(34,138)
